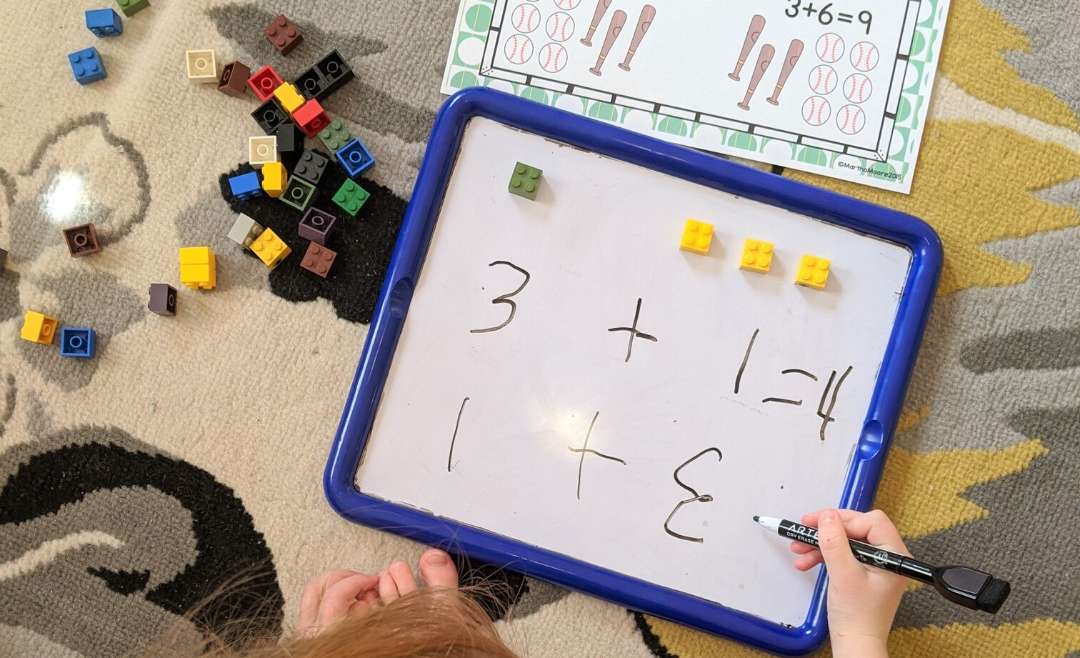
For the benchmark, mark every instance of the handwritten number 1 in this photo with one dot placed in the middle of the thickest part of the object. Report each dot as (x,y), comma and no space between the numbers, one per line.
(505,299)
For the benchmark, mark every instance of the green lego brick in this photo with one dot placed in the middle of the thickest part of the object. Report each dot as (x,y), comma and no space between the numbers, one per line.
(525,181)
(335,135)
(132,7)
(298,193)
(351,197)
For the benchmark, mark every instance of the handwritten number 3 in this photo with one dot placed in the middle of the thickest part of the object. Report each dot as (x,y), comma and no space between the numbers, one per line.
(505,299)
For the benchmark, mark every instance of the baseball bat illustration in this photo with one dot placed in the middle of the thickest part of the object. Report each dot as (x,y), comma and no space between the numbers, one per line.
(794,52)
(597,16)
(618,19)
(763,60)
(648,13)
(757,24)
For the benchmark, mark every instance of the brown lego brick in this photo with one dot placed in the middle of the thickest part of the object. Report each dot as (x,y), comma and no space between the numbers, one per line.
(318,259)
(82,240)
(283,34)
(234,79)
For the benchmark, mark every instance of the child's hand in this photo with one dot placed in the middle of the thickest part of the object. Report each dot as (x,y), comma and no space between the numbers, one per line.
(862,600)
(335,595)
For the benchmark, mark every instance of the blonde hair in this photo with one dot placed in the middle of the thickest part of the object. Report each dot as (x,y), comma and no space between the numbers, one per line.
(429,622)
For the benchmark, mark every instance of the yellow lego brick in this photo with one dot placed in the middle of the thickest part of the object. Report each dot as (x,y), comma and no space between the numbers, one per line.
(270,249)
(38,328)
(289,98)
(274,178)
(756,256)
(813,272)
(198,268)
(697,237)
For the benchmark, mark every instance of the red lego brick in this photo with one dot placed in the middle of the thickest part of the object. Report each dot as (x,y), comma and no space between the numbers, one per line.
(233,80)
(311,117)
(283,34)
(264,82)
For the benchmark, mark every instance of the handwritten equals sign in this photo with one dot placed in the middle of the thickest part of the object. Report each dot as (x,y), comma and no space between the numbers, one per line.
(845,18)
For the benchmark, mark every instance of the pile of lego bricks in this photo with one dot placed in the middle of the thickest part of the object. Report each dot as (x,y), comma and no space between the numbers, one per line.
(284,167)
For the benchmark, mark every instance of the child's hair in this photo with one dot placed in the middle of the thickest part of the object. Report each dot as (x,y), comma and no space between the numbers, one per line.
(429,622)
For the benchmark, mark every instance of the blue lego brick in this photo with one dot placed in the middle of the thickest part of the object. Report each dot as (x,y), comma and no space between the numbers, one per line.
(245,186)
(104,22)
(77,342)
(86,65)
(355,157)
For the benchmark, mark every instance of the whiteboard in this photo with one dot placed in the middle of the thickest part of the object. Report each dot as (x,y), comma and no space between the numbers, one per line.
(601,235)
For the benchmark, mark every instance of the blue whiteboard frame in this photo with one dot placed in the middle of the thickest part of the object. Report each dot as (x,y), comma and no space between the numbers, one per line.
(396,294)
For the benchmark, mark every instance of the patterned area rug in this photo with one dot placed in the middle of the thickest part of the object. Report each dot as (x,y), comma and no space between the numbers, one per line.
(191,449)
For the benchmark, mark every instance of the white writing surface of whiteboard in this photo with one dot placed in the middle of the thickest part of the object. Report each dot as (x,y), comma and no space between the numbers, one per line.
(601,235)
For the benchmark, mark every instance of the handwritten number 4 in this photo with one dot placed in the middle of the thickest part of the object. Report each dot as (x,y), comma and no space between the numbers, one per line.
(505,299)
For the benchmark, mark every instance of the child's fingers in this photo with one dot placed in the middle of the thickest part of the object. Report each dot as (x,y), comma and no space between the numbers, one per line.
(438,569)
(800,548)
(834,547)
(808,561)
(403,577)
(313,594)
(875,528)
(388,591)
(342,595)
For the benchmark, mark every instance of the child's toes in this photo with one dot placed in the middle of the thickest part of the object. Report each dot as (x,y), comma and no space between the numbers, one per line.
(438,569)
(403,577)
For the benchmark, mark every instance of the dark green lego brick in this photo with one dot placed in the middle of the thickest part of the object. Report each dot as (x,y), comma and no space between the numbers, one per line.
(335,135)
(526,181)
(350,197)
(298,193)
(132,7)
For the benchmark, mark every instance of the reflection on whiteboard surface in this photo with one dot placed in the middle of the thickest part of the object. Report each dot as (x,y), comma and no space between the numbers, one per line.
(568,378)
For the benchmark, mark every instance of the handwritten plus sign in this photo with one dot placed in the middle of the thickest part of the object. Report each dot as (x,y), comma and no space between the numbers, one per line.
(634,333)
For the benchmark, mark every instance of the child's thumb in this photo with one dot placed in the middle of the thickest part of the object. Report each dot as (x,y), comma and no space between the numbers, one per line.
(833,543)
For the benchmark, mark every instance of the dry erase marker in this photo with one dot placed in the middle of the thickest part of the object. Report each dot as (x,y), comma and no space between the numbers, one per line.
(970,588)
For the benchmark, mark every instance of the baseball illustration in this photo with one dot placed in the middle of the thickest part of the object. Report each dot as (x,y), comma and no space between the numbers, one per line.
(519,48)
(552,57)
(794,52)
(757,25)
(645,21)
(567,4)
(864,56)
(850,119)
(816,110)
(560,26)
(830,47)
(525,18)
(823,79)
(618,20)
(857,88)
(598,15)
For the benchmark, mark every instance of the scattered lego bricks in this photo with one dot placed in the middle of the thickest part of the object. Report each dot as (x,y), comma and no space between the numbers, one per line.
(813,272)
(233,80)
(335,135)
(201,66)
(350,197)
(697,237)
(290,144)
(318,259)
(86,66)
(315,225)
(82,240)
(77,342)
(298,194)
(162,299)
(264,81)
(311,166)
(288,98)
(245,230)
(132,7)
(104,22)
(198,268)
(757,256)
(354,157)
(38,328)
(525,181)
(274,178)
(283,34)
(270,117)
(270,249)
(262,150)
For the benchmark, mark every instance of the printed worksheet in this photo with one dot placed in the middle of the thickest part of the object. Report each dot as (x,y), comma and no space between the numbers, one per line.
(836,88)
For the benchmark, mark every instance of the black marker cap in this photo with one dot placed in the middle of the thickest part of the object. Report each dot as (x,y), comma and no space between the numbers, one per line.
(971,588)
